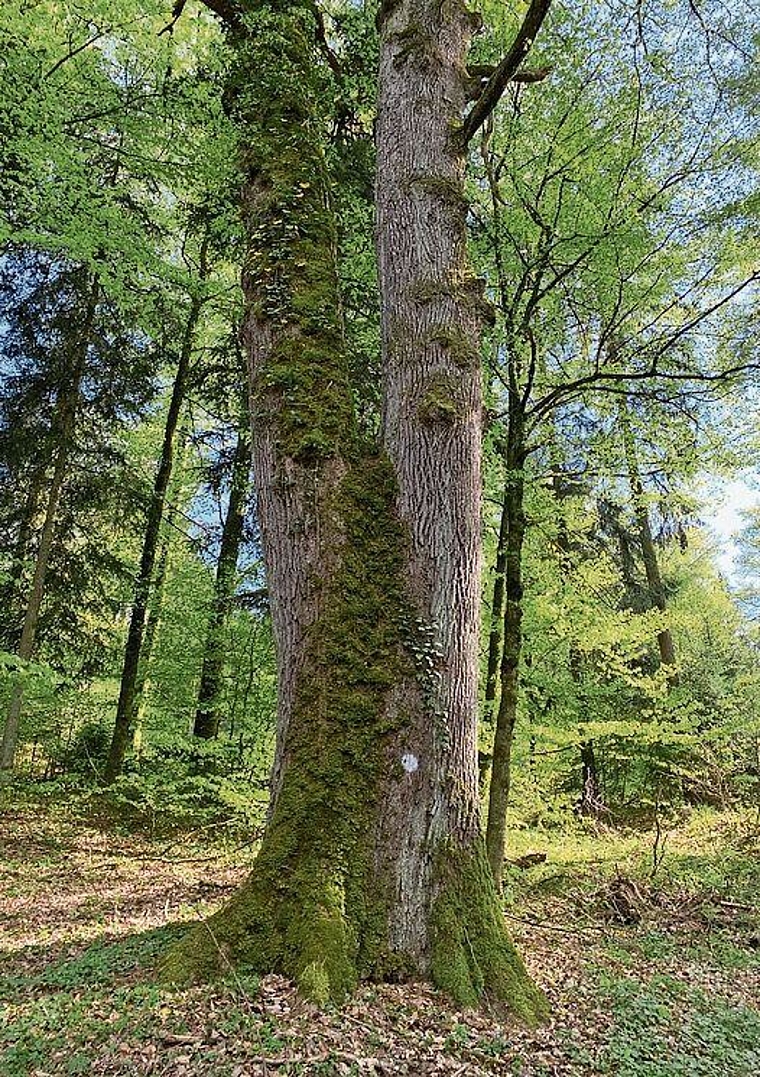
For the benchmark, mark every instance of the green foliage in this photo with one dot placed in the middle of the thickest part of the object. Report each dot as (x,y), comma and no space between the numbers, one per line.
(665,1029)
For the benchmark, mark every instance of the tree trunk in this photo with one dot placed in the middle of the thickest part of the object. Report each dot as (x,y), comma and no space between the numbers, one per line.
(63,427)
(126,706)
(495,632)
(372,864)
(12,591)
(646,540)
(591,801)
(514,508)
(207,715)
(153,617)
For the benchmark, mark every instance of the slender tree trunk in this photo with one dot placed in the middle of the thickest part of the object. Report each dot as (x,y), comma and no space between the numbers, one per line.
(149,640)
(496,614)
(64,423)
(591,800)
(125,708)
(153,619)
(646,540)
(509,672)
(207,715)
(372,863)
(12,590)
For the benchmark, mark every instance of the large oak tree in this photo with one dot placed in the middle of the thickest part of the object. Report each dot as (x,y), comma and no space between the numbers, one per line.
(372,863)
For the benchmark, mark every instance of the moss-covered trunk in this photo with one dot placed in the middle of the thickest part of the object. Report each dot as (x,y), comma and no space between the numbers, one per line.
(372,864)
(446,912)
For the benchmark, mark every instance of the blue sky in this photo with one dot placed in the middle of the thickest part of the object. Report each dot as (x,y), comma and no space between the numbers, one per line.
(729,500)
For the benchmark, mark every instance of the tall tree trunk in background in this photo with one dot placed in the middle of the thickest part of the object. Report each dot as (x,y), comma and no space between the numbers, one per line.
(646,540)
(153,616)
(12,591)
(152,622)
(509,671)
(372,863)
(207,715)
(125,708)
(495,634)
(591,799)
(63,427)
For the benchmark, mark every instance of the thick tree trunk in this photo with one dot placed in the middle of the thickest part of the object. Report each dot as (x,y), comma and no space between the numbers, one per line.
(646,541)
(372,863)
(514,508)
(207,714)
(64,423)
(126,706)
(447,916)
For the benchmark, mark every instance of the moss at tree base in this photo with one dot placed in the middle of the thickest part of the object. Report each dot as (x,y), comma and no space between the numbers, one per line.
(266,928)
(310,942)
(473,958)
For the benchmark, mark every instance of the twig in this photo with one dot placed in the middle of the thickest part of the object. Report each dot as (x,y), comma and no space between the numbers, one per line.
(555,927)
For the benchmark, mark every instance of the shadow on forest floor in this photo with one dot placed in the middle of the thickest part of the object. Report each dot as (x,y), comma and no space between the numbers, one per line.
(666,986)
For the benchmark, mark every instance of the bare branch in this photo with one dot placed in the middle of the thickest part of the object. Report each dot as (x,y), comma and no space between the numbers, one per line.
(506,70)
(74,52)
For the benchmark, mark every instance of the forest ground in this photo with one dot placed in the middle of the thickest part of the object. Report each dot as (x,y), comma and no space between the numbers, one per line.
(647,977)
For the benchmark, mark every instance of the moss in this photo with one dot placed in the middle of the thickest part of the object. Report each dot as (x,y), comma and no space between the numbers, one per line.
(463,288)
(416,43)
(457,344)
(473,958)
(312,908)
(302,387)
(445,188)
(439,402)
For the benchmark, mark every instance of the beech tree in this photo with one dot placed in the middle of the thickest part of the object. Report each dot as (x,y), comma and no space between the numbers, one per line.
(372,863)
(603,285)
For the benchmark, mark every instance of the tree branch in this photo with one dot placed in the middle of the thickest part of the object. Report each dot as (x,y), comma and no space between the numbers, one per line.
(506,70)
(227,10)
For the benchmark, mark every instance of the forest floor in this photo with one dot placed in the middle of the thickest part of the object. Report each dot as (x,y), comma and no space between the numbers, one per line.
(647,977)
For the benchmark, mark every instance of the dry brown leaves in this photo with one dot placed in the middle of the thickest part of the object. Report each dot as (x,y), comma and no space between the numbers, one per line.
(65,885)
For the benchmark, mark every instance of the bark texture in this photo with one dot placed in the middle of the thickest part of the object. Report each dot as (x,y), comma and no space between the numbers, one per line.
(372,864)
(433,309)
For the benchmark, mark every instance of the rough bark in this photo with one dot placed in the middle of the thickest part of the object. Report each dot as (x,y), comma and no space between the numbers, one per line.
(509,670)
(372,863)
(646,541)
(207,715)
(126,706)
(63,428)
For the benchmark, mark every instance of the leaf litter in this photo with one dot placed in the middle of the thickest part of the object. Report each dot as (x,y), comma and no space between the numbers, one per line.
(85,912)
